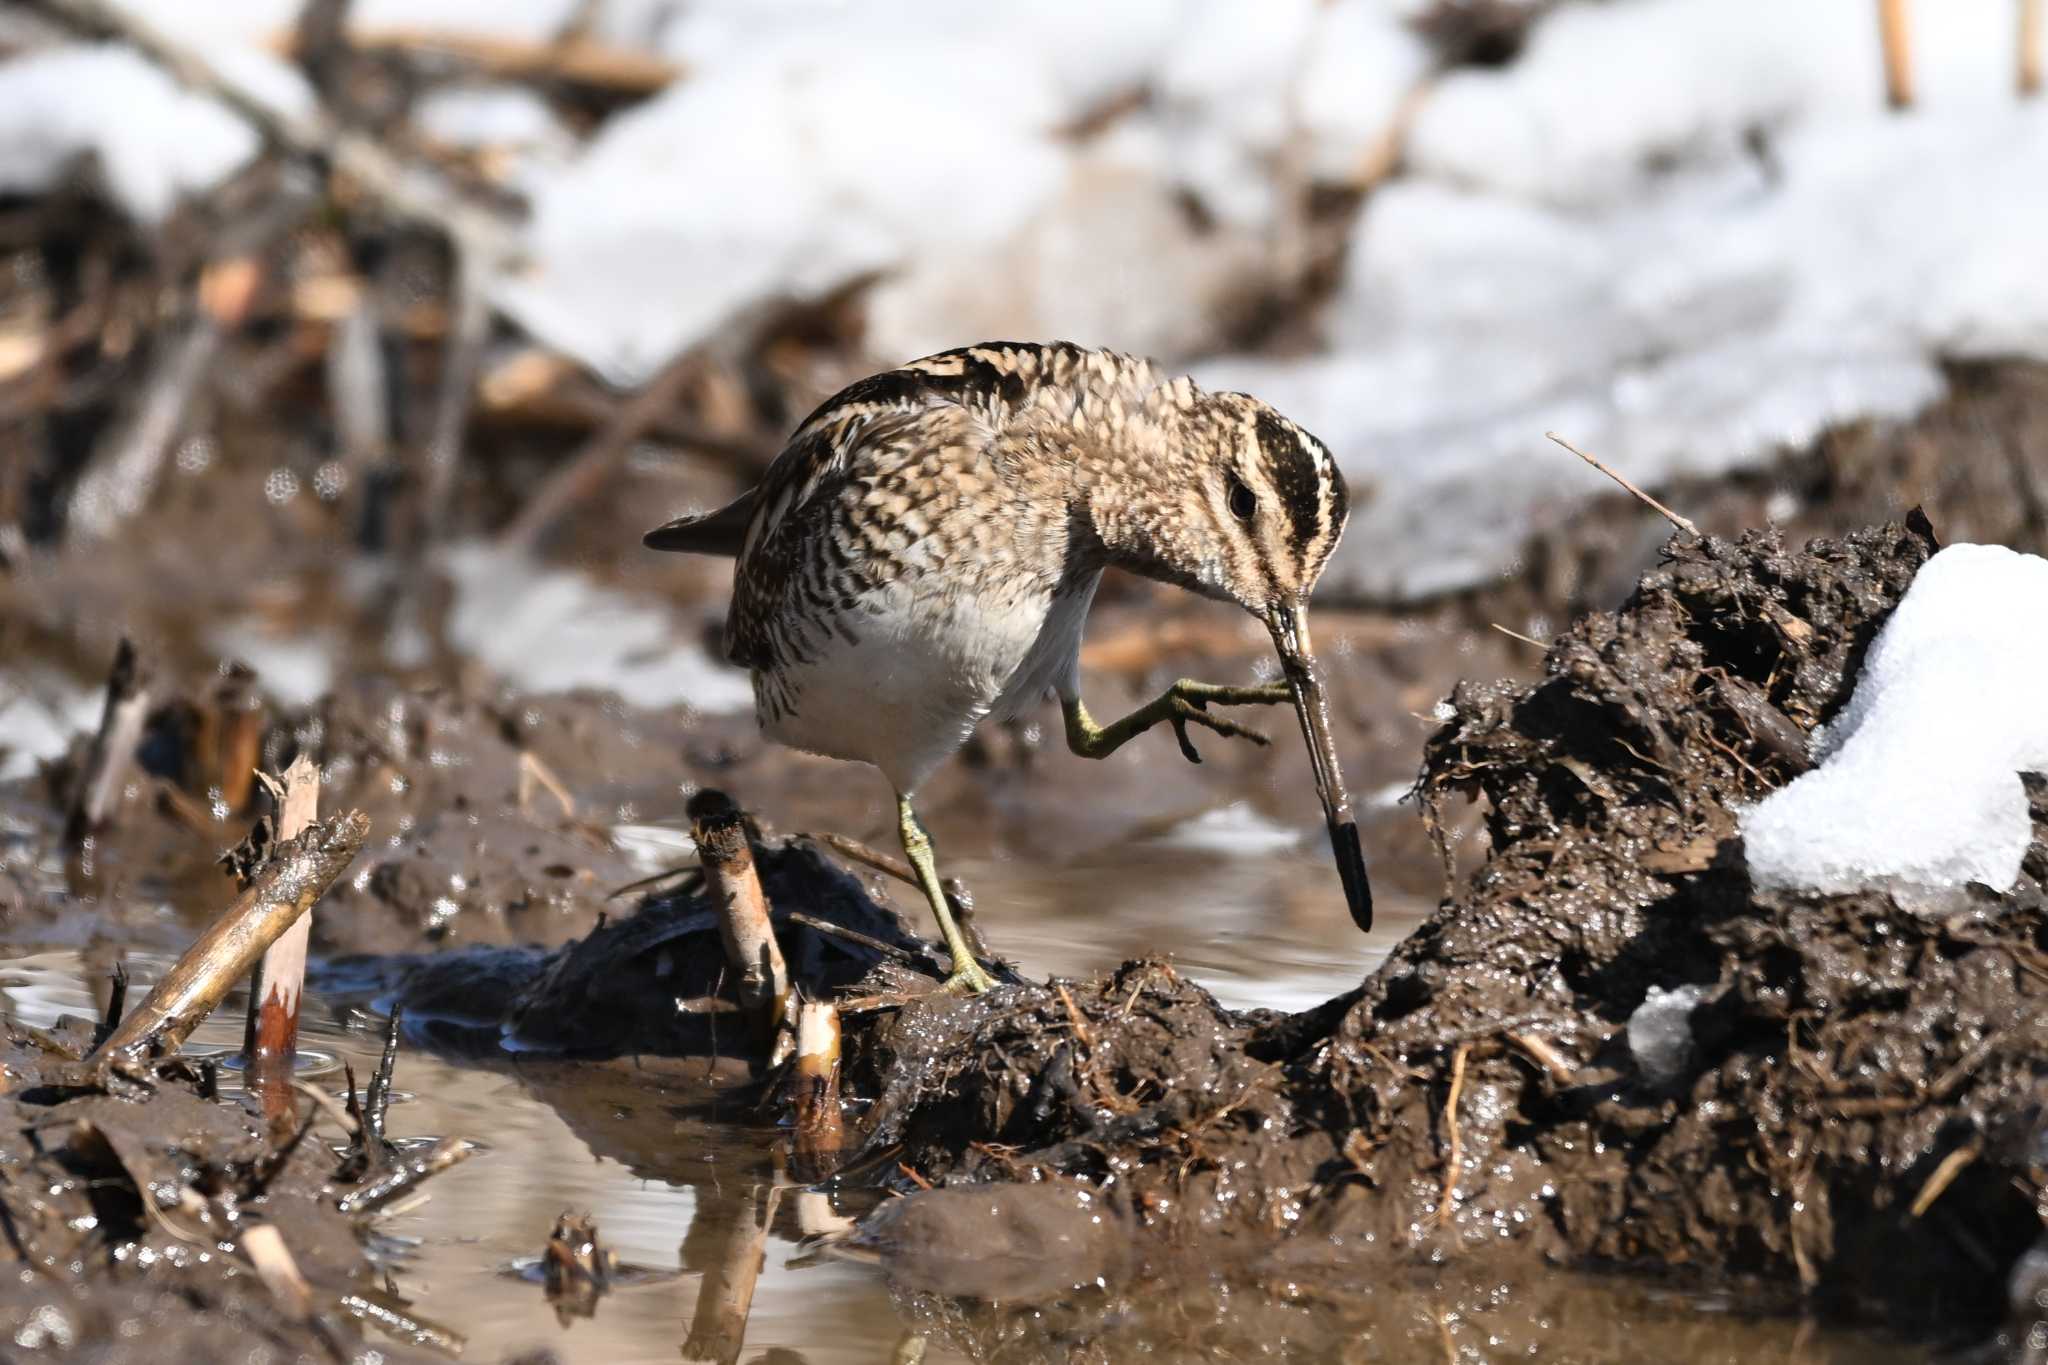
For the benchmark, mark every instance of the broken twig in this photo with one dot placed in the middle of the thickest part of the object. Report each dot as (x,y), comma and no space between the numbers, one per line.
(1544,1053)
(734,883)
(296,876)
(274,1264)
(958,899)
(1952,1165)
(111,760)
(411,1171)
(1676,520)
(577,1267)
(820,1130)
(585,471)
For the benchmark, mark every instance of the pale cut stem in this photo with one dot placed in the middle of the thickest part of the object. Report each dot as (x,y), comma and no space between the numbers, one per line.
(720,830)
(820,1130)
(111,760)
(273,1036)
(1897,38)
(2031,25)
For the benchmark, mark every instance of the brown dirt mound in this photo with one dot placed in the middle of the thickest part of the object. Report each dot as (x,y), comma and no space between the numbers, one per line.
(1848,1098)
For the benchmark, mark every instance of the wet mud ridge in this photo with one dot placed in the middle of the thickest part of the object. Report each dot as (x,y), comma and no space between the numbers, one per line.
(149,1220)
(1606,1049)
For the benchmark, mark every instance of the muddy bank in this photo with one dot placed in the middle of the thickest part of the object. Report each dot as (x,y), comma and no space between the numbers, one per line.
(150,1218)
(1848,1100)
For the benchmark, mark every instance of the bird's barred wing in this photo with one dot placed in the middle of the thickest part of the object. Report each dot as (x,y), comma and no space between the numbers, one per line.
(794,563)
(791,567)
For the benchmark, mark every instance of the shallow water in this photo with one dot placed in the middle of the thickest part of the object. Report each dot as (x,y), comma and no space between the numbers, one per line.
(668,1186)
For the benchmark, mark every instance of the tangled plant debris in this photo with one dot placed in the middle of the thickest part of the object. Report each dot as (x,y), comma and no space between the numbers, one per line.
(1838,1094)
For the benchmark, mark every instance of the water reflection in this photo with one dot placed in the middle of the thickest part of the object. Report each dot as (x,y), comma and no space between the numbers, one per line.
(721,1255)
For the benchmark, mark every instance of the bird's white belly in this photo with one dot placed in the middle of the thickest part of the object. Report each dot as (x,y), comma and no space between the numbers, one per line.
(919,673)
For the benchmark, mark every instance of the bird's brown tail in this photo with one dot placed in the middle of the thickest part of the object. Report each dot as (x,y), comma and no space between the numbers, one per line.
(712,533)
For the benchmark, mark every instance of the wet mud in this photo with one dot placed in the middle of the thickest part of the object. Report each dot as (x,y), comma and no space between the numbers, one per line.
(150,1219)
(1847,1097)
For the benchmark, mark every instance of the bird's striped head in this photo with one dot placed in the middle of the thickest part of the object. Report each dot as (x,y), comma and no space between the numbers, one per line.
(1272,499)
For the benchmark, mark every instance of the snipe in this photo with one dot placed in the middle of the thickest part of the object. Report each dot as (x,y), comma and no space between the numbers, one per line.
(922,554)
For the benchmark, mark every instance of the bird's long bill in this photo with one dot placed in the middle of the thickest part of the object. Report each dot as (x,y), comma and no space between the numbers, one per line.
(1289,625)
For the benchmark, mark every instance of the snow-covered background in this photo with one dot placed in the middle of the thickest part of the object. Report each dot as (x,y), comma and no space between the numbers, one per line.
(1687,233)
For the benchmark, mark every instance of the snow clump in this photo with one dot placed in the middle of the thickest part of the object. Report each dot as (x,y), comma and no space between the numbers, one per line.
(1918,792)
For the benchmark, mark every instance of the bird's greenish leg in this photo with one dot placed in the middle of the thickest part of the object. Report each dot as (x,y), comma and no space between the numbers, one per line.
(967,978)
(1184,702)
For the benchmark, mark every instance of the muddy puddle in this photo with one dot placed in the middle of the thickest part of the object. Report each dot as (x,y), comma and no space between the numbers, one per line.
(671,1183)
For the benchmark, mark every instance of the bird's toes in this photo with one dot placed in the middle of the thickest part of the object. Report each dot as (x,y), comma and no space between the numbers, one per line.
(1221,726)
(968,979)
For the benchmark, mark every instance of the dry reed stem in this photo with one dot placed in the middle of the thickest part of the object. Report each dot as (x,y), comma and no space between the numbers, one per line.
(734,884)
(1659,508)
(1517,635)
(265,1247)
(272,1039)
(1542,1052)
(2030,48)
(1898,53)
(820,1134)
(535,773)
(296,876)
(1944,1175)
(111,760)
(230,742)
(578,61)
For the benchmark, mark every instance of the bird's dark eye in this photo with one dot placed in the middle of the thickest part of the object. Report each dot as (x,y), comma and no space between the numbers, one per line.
(1242,502)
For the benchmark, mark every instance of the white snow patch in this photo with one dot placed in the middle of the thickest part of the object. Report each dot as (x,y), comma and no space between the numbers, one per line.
(491,116)
(1609,100)
(295,669)
(1236,829)
(1111,256)
(805,159)
(1660,1036)
(650,848)
(153,141)
(251,23)
(551,630)
(1918,791)
(39,713)
(1734,313)
(1245,88)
